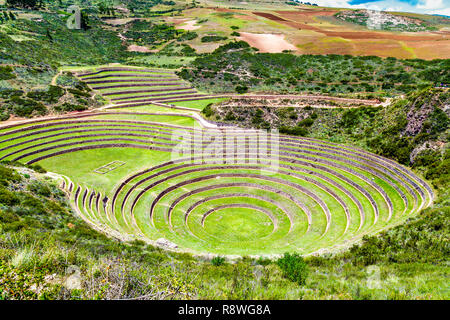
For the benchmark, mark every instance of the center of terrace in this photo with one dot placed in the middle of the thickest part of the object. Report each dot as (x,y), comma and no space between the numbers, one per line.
(147,166)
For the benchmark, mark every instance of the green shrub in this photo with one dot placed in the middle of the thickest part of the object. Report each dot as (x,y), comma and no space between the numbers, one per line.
(52,95)
(145,32)
(427,158)
(230,116)
(8,216)
(39,188)
(212,38)
(208,111)
(8,175)
(77,92)
(350,118)
(241,89)
(189,35)
(294,268)
(263,261)
(38,168)
(7,197)
(258,117)
(68,107)
(296,131)
(308,122)
(9,93)
(218,261)
(4,116)
(6,73)
(230,77)
(31,4)
(27,108)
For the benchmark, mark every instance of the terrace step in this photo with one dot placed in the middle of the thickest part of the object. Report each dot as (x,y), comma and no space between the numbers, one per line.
(101,70)
(145,91)
(123,75)
(146,84)
(133,80)
(189,99)
(154,95)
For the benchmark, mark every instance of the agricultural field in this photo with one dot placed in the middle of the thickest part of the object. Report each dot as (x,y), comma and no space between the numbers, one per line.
(316,30)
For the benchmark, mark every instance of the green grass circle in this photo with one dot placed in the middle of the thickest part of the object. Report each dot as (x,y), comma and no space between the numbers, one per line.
(238,224)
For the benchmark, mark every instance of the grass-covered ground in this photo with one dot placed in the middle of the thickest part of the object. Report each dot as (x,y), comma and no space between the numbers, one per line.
(325,194)
(200,104)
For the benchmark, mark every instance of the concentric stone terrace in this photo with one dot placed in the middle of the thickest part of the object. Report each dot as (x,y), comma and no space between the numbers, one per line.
(209,196)
(134,87)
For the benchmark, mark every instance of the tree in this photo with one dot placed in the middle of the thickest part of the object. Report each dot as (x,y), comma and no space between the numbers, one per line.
(241,89)
(5,17)
(84,21)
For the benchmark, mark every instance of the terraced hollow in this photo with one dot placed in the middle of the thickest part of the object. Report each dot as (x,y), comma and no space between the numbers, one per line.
(314,196)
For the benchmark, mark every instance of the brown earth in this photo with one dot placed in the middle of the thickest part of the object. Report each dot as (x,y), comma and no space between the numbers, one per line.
(136,48)
(267,42)
(313,37)
(188,25)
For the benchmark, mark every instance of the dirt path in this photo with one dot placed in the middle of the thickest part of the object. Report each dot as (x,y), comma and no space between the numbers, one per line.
(17,120)
(196,114)
(55,78)
(306,97)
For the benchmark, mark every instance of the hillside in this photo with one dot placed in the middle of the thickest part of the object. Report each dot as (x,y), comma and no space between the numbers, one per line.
(237,64)
(73,259)
(215,149)
(414,131)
